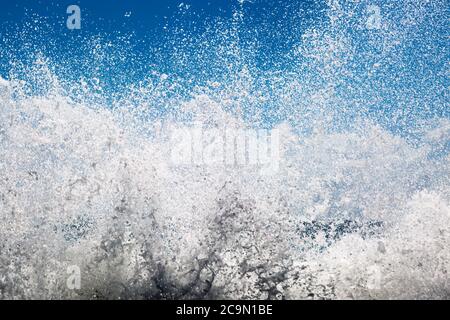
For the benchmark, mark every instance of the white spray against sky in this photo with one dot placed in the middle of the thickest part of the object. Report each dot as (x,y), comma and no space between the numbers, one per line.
(355,209)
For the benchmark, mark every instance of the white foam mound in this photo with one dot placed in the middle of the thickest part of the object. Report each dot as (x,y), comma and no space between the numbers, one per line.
(357,214)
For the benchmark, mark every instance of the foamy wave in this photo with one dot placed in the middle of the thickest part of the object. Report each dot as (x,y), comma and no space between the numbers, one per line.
(359,206)
(80,188)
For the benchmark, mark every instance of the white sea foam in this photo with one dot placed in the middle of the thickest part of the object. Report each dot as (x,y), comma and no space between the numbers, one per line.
(79,187)
(353,211)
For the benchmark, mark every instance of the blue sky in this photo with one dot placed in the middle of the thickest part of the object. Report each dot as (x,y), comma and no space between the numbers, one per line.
(108,16)
(121,42)
(146,32)
(153,20)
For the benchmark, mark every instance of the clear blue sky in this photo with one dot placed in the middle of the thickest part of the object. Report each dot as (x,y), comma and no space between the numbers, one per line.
(145,34)
(152,23)
(184,38)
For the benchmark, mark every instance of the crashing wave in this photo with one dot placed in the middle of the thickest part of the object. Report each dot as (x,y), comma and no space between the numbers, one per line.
(355,210)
